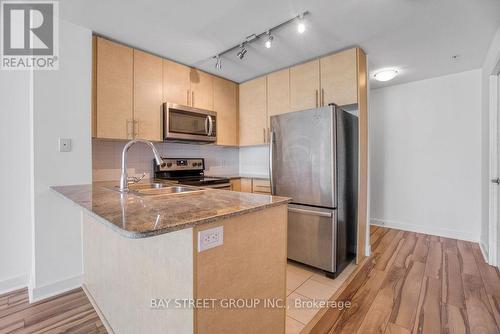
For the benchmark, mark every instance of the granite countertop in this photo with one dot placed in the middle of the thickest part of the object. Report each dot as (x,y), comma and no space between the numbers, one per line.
(136,216)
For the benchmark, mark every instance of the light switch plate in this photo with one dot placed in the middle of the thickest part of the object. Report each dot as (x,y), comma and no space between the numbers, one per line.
(64,145)
(210,238)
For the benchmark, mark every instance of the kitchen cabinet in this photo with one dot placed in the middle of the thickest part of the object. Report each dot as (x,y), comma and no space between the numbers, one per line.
(235,184)
(278,92)
(261,186)
(339,78)
(304,86)
(114,73)
(176,83)
(147,96)
(226,106)
(253,112)
(246,185)
(202,89)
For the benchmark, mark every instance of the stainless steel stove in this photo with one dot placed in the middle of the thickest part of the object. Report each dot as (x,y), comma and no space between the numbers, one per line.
(189,171)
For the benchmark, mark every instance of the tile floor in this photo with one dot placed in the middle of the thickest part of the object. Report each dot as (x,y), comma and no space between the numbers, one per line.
(305,283)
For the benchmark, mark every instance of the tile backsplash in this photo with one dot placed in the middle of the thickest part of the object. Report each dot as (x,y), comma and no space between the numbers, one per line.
(106,158)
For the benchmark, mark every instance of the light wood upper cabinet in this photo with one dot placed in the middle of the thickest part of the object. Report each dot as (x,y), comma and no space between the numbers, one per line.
(202,90)
(304,86)
(253,113)
(339,78)
(176,83)
(278,92)
(226,106)
(147,96)
(114,90)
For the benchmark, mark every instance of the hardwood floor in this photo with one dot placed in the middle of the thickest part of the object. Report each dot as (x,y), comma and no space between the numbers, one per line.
(416,283)
(413,283)
(70,312)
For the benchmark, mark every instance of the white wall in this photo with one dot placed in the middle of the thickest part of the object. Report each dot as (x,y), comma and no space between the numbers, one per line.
(15,174)
(425,156)
(490,64)
(61,108)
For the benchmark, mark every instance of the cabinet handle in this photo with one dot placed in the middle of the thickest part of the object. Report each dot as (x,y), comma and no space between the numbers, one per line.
(129,129)
(192,98)
(317,105)
(264,132)
(322,97)
(187,98)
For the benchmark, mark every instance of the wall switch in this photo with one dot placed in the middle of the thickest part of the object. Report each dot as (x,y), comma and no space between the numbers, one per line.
(210,238)
(64,145)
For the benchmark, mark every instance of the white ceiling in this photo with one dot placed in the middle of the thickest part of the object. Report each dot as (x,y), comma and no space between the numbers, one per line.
(417,36)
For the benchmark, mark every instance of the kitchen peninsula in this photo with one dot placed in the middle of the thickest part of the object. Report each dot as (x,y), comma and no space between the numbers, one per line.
(200,244)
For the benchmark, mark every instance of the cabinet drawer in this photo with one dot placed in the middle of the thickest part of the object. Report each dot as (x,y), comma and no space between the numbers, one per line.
(261,186)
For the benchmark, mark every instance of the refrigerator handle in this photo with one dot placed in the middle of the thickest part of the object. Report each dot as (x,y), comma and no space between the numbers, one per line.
(271,143)
(310,212)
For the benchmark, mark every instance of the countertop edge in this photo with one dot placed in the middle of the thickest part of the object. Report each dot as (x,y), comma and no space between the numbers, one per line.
(186,225)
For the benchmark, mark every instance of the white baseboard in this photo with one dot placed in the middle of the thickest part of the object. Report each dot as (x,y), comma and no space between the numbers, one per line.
(56,288)
(484,251)
(441,232)
(13,283)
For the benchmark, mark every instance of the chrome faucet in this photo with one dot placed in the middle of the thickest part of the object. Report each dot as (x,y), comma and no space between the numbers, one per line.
(124,176)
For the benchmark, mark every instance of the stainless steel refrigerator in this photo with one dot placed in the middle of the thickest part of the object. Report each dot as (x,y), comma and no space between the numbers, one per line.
(314,160)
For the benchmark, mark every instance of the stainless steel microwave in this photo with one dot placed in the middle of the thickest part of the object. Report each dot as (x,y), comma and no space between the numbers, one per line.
(183,123)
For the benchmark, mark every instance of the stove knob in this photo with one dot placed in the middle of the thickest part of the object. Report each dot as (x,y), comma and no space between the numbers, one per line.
(194,164)
(169,164)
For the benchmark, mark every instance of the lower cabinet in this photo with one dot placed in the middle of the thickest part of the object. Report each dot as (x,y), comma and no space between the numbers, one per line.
(253,185)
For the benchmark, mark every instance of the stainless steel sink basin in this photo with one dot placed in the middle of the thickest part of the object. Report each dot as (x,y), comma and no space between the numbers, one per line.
(163,190)
(151,189)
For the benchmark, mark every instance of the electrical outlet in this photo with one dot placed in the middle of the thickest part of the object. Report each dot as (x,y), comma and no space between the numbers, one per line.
(210,238)
(64,145)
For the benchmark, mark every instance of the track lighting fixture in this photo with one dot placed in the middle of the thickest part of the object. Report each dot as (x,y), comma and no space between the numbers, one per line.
(242,52)
(218,63)
(301,28)
(269,41)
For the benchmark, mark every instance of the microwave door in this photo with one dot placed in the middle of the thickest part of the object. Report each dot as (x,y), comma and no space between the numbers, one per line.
(189,124)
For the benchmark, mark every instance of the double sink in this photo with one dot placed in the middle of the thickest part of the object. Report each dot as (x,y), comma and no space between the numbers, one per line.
(152,189)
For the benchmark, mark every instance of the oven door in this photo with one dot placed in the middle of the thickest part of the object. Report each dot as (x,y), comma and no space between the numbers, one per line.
(183,123)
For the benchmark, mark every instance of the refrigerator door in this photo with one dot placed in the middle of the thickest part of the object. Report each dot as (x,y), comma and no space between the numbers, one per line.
(302,156)
(312,236)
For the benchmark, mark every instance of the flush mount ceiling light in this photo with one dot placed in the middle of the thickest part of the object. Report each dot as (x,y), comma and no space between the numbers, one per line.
(268,43)
(385,75)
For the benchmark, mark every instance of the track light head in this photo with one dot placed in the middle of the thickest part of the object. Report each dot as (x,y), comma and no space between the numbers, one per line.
(242,52)
(269,41)
(218,62)
(301,26)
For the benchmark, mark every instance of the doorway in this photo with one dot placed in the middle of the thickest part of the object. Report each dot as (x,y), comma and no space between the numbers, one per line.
(494,219)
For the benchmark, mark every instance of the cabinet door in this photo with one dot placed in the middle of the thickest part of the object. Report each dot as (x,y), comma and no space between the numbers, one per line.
(261,186)
(304,86)
(176,84)
(339,78)
(235,184)
(225,104)
(114,90)
(253,113)
(246,185)
(147,96)
(278,92)
(202,90)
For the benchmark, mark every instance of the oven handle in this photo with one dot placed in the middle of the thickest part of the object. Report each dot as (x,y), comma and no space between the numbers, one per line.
(217,186)
(210,125)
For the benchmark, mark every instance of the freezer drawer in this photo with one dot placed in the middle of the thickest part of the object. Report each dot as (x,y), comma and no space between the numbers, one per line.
(311,236)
